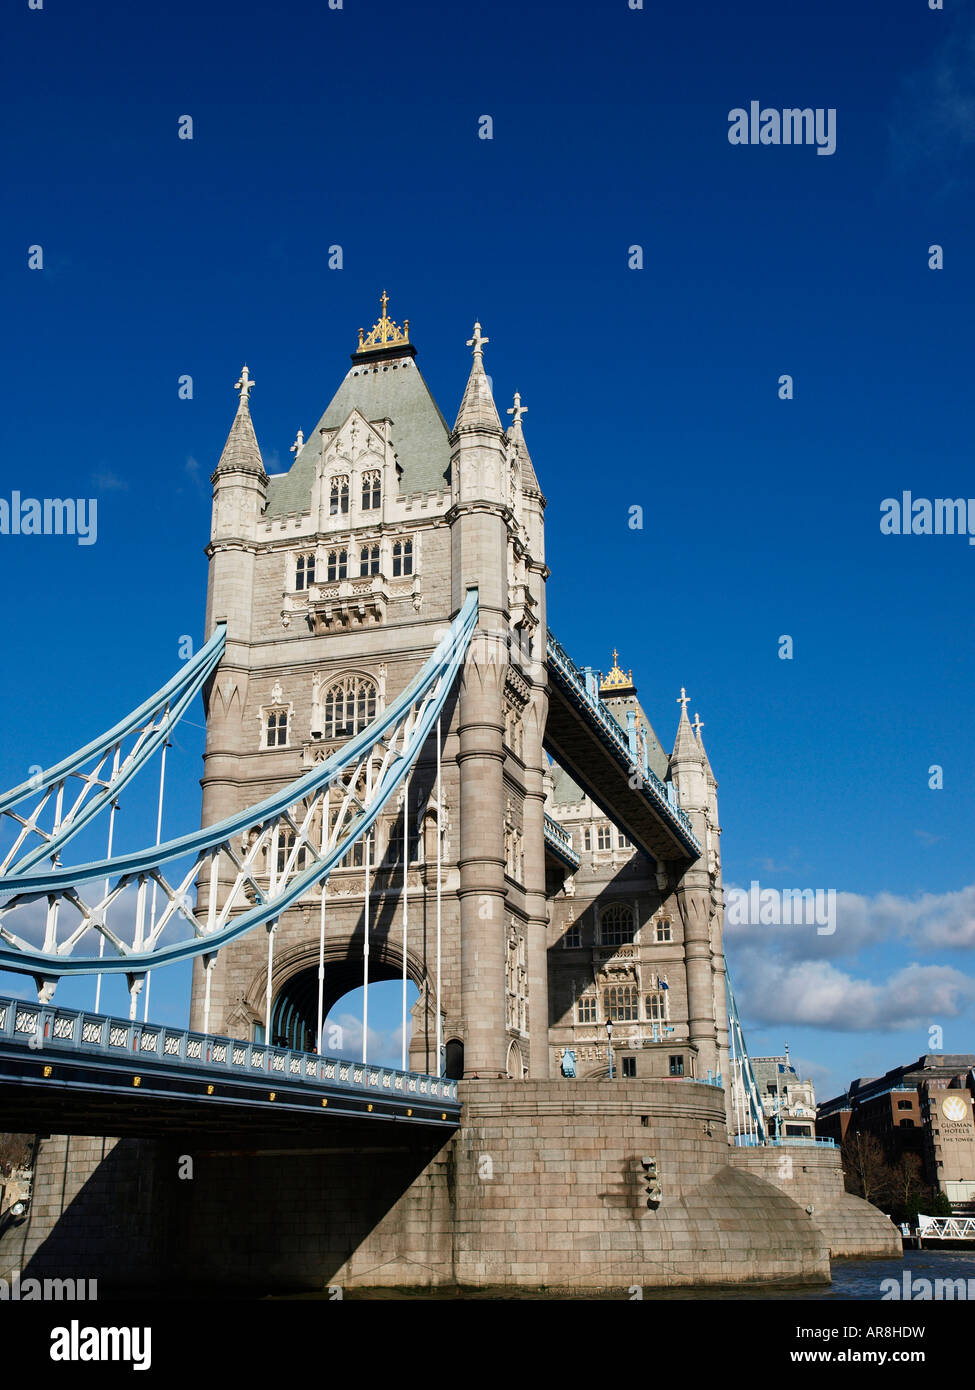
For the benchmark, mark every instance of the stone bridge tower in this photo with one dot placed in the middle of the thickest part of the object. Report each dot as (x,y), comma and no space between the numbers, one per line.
(336,580)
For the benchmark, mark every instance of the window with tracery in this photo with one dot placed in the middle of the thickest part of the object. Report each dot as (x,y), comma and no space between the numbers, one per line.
(604,836)
(349,704)
(616,924)
(663,929)
(304,571)
(338,499)
(338,564)
(369,560)
(622,1003)
(572,937)
(371,490)
(586,837)
(402,558)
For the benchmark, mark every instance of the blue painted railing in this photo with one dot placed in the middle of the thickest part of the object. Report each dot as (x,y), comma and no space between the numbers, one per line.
(559,841)
(583,685)
(751,1141)
(47,1028)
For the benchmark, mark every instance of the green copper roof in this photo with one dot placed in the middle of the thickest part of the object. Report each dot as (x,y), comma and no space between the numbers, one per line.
(389,387)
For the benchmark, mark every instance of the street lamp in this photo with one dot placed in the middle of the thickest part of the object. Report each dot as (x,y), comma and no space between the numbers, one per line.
(15,1215)
(609,1045)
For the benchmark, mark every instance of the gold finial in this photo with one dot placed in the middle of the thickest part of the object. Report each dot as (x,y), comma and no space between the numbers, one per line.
(385,331)
(617,682)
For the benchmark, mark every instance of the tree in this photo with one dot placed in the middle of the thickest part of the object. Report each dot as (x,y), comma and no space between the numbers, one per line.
(14,1152)
(910,1193)
(865,1169)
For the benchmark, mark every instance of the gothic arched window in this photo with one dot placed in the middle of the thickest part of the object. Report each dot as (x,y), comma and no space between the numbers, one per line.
(338,501)
(616,924)
(402,558)
(349,705)
(338,564)
(369,559)
(371,490)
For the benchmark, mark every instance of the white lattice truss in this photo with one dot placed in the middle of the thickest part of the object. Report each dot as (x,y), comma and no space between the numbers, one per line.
(228,878)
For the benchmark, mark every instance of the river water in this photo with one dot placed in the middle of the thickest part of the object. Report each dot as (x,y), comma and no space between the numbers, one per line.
(852,1280)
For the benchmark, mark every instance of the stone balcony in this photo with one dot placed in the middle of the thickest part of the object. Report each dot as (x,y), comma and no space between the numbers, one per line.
(341,605)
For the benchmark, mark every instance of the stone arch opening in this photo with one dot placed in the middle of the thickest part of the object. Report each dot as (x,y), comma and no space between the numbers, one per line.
(515,1068)
(294,1011)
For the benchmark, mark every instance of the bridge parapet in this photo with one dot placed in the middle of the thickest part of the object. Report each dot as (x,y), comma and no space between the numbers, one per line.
(45,1027)
(559,841)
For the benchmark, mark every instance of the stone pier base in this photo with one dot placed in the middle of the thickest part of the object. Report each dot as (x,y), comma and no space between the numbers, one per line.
(542,1188)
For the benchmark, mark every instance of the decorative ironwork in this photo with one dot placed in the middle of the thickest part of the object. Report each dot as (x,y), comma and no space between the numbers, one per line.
(70,1031)
(385,332)
(559,841)
(231,878)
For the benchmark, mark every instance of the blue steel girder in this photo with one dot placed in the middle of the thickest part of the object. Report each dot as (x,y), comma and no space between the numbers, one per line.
(274,852)
(92,788)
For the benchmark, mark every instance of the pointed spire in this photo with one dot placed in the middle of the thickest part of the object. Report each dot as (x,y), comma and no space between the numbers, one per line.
(241,449)
(477,409)
(516,435)
(517,410)
(685,744)
(698,725)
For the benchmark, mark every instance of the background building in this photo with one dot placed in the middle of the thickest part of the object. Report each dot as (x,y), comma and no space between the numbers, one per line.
(789,1102)
(923,1107)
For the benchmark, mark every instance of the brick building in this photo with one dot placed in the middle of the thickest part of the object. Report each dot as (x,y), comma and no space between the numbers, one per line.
(925,1108)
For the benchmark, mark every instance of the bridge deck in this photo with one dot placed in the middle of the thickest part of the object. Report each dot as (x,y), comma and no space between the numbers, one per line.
(68,1072)
(585,739)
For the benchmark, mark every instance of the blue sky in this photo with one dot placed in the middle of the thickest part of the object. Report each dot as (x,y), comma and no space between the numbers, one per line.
(655,387)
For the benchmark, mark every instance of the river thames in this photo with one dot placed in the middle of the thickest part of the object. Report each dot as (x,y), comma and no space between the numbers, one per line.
(852,1281)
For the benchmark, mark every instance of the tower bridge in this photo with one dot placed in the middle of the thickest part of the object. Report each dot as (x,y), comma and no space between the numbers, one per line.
(385,799)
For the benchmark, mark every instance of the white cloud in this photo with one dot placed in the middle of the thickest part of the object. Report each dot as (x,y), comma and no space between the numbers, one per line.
(817,994)
(929,921)
(385,1044)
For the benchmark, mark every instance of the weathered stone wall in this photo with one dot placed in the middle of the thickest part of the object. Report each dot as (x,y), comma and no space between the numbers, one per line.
(814,1177)
(542,1188)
